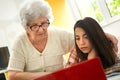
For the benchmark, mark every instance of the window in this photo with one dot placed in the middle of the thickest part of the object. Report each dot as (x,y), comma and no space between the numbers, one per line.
(113,6)
(104,11)
(89,8)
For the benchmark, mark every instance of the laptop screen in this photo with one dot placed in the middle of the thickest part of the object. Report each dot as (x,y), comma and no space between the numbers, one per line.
(4,57)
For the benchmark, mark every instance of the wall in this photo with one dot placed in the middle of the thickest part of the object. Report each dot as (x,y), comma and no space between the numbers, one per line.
(62,15)
(9,26)
(63,18)
(114,28)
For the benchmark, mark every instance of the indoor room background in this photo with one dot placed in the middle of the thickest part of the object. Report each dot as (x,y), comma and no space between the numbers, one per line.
(66,13)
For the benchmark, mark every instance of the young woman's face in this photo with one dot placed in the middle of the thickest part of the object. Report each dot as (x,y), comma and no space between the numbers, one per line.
(83,41)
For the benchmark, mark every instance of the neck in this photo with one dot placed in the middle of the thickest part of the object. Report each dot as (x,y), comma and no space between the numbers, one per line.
(92,54)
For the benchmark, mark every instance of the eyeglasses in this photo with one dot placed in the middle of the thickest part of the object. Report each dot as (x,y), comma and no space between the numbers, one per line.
(36,27)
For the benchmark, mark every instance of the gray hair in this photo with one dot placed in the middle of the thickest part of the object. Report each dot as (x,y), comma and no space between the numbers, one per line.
(33,9)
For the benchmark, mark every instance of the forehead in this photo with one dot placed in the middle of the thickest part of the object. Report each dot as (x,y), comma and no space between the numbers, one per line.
(79,31)
(39,20)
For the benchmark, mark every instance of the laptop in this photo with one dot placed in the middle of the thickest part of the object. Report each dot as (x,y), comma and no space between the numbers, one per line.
(4,57)
(87,70)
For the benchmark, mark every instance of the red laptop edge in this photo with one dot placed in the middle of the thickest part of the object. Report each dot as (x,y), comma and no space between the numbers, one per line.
(87,70)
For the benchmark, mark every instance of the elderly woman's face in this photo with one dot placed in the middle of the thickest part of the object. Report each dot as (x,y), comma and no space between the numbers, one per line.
(39,26)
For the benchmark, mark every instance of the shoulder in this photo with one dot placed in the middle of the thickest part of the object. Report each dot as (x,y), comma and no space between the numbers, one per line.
(73,57)
(19,38)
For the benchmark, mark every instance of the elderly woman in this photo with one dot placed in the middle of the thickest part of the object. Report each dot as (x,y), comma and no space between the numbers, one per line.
(40,49)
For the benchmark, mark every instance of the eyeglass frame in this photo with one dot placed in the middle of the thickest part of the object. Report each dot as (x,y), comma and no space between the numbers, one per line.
(42,25)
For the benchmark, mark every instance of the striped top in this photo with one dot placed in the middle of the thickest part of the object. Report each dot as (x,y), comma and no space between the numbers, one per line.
(73,59)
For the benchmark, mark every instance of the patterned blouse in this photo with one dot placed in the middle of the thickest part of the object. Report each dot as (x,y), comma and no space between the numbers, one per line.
(73,59)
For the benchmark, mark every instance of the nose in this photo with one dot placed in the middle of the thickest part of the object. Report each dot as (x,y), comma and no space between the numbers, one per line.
(41,29)
(81,41)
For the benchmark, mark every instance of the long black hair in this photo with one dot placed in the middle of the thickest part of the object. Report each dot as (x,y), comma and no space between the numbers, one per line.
(98,39)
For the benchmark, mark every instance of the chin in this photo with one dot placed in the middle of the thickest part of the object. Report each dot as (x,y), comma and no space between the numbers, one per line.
(85,52)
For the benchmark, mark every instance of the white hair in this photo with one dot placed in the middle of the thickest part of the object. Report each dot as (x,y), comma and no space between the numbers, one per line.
(33,9)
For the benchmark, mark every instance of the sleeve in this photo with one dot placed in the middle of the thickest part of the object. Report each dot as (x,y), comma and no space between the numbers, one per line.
(17,58)
(73,58)
(67,40)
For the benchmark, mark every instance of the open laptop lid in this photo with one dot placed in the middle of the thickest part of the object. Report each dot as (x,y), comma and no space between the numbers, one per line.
(87,70)
(4,57)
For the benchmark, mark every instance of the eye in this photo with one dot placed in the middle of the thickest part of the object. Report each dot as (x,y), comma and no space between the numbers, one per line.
(77,38)
(34,25)
(44,24)
(85,36)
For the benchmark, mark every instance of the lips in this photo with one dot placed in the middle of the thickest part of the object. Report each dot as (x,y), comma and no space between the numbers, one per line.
(83,48)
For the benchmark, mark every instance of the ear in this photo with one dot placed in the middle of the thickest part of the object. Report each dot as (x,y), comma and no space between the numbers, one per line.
(28,30)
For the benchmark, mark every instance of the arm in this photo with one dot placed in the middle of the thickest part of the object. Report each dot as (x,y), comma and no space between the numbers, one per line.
(114,40)
(15,75)
(18,62)
(73,58)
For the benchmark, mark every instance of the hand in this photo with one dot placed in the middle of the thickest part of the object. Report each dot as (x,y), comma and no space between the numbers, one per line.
(114,41)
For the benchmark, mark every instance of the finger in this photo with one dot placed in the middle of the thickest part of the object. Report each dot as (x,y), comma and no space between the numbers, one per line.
(116,48)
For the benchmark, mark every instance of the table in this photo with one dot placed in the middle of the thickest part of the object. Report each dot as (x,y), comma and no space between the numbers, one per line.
(3,71)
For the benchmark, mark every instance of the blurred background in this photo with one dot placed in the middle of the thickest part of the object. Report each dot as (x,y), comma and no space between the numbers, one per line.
(66,13)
